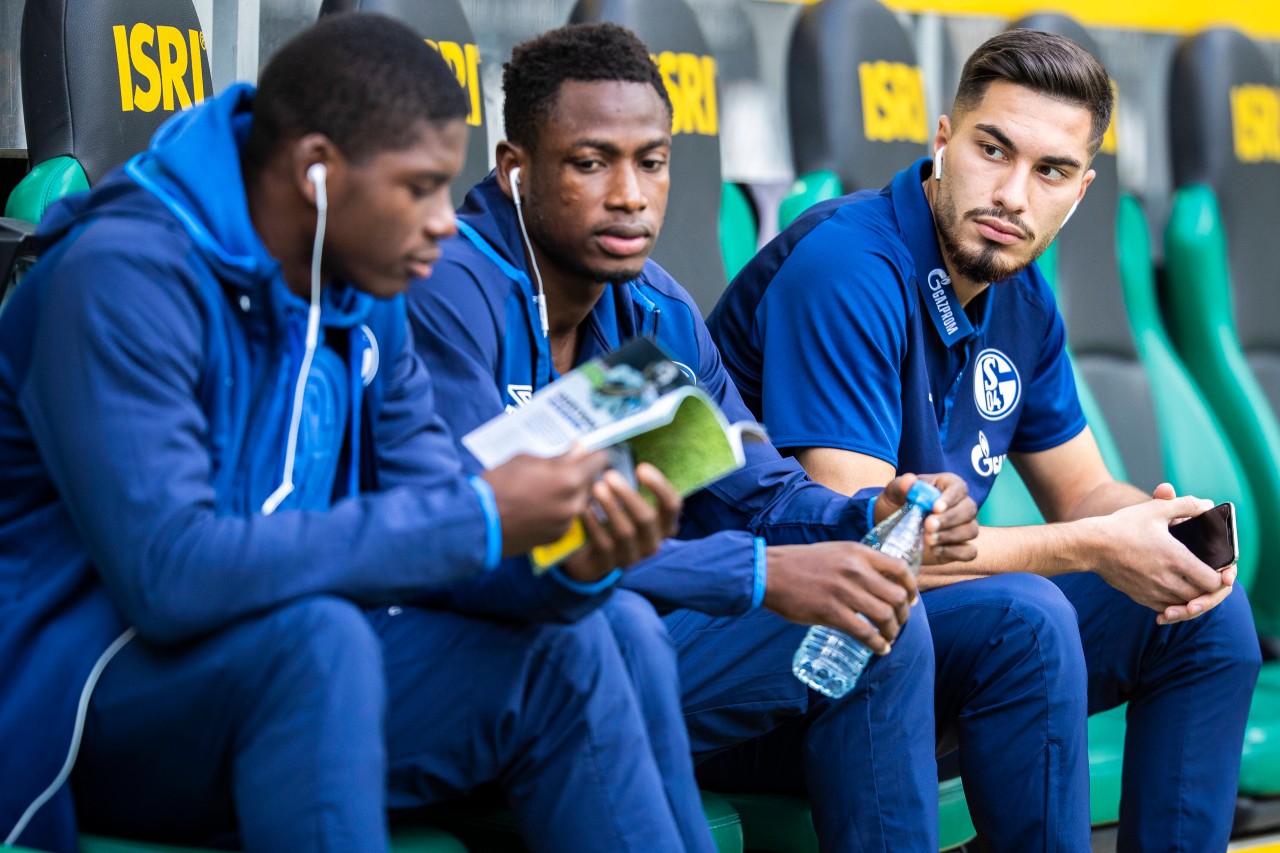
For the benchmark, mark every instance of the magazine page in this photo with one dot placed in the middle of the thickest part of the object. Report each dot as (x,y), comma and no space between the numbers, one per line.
(611,394)
(634,402)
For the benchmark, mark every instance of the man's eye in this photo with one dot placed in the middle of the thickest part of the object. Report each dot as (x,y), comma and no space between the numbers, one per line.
(1053,173)
(653,164)
(993,152)
(590,165)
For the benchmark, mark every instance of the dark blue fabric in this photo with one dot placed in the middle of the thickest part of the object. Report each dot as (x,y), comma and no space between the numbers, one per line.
(1188,687)
(147,366)
(825,333)
(865,761)
(844,332)
(324,706)
(477,329)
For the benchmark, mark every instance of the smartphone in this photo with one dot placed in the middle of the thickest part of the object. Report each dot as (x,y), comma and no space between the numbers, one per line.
(1211,536)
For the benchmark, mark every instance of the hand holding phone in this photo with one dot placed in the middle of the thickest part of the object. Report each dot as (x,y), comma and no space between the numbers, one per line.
(1211,536)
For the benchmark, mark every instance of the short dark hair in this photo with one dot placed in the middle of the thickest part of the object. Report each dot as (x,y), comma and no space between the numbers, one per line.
(585,52)
(365,81)
(1044,62)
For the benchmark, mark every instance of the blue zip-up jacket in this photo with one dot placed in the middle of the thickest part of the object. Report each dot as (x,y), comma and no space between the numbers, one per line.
(476,326)
(147,368)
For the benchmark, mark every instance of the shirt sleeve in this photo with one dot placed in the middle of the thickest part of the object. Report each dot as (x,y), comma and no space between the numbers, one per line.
(832,325)
(1051,413)
(112,398)
(770,496)
(457,333)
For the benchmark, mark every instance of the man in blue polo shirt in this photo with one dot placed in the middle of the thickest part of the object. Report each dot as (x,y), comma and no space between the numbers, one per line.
(869,338)
(589,129)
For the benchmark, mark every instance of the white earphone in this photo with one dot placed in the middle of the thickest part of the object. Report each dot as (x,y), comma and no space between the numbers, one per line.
(514,177)
(316,174)
(1074,205)
(937,163)
(540,298)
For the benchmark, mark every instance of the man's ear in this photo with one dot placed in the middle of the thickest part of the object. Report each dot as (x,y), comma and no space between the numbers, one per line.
(1084,184)
(940,138)
(307,151)
(510,156)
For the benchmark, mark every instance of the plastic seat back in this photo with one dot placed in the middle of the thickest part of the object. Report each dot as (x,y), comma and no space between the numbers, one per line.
(98,78)
(1222,295)
(445,27)
(687,245)
(855,94)
(739,228)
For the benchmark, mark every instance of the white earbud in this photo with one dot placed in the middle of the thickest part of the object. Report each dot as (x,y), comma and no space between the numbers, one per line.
(1074,205)
(937,164)
(540,298)
(514,178)
(316,174)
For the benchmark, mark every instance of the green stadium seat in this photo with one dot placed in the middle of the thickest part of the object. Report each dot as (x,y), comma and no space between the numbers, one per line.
(782,823)
(408,840)
(739,229)
(808,190)
(81,122)
(1223,303)
(484,827)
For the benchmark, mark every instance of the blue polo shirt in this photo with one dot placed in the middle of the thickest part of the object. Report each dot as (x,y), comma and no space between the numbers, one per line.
(845,332)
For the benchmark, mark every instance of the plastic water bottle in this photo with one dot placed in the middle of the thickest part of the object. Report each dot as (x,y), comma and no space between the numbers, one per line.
(830,661)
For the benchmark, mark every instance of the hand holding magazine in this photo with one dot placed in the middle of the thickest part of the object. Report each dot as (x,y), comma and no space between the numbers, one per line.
(634,401)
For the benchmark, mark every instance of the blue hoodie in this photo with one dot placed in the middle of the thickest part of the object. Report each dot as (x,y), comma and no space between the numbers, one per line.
(147,368)
(476,326)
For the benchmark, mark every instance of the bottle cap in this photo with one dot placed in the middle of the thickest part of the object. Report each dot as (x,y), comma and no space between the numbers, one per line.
(923,495)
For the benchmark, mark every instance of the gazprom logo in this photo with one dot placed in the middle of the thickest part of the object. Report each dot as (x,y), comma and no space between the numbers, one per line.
(938,282)
(983,462)
(996,385)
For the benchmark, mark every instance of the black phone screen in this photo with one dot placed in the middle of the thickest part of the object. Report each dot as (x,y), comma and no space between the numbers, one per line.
(1211,536)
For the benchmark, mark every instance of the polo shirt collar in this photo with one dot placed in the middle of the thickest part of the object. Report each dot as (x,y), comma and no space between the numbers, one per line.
(915,224)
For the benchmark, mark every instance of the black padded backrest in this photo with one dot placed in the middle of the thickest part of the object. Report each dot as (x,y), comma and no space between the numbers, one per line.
(1225,119)
(689,246)
(1092,301)
(443,24)
(855,94)
(99,76)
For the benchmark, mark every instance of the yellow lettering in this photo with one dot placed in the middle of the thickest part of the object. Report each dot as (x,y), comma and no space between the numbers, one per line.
(164,73)
(473,89)
(893,102)
(1255,120)
(197,66)
(143,35)
(464,62)
(691,86)
(712,111)
(173,64)
(123,68)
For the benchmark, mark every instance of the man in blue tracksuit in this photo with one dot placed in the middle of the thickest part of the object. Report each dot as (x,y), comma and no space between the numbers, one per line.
(869,336)
(588,125)
(217,449)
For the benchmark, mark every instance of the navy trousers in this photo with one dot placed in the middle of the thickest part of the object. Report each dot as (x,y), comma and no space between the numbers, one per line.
(1020,662)
(1022,752)
(866,761)
(300,728)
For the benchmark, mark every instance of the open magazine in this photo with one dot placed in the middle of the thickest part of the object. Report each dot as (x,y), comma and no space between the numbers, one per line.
(635,402)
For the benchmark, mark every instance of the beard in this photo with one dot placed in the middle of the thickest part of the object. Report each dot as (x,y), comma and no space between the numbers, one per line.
(988,263)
